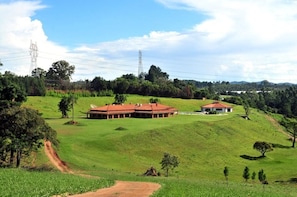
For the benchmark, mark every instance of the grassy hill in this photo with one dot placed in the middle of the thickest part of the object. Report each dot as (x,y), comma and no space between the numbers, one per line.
(204,144)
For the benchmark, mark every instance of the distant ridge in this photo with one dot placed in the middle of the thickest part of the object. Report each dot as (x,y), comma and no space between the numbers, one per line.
(260,82)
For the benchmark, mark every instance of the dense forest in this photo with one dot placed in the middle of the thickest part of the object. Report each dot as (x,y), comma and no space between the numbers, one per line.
(266,96)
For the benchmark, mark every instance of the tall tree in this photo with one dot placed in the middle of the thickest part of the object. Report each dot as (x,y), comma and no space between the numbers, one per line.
(247,109)
(22,131)
(64,106)
(262,176)
(169,162)
(155,73)
(246,173)
(59,72)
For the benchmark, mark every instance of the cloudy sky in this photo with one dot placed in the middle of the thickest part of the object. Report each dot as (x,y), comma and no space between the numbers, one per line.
(205,40)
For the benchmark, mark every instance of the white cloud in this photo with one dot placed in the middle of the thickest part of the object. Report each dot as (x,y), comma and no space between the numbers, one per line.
(239,40)
(17,30)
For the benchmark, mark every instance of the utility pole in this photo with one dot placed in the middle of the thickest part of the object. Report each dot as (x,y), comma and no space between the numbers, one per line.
(34,55)
(140,68)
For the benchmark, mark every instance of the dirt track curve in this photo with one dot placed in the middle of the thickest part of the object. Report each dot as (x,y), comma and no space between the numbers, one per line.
(120,189)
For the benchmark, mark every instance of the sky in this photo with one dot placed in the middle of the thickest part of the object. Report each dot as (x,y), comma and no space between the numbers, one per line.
(205,40)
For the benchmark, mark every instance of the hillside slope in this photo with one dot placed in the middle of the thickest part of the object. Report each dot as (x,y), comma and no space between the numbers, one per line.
(204,144)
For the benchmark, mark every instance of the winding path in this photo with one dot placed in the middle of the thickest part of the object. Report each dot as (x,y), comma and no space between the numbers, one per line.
(120,189)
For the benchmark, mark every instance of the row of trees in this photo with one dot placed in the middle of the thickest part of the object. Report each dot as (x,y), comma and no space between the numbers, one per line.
(154,83)
(246,175)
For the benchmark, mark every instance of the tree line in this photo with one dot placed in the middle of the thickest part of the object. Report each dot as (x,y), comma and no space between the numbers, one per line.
(266,96)
(153,83)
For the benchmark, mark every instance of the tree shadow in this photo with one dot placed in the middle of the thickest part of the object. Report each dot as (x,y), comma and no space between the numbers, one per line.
(291,180)
(248,157)
(280,146)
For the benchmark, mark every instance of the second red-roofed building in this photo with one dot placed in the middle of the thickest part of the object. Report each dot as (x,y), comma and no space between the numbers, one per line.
(216,107)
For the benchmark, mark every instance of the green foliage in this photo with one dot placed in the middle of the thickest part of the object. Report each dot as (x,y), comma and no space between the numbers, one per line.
(154,100)
(291,127)
(254,175)
(246,174)
(119,99)
(22,131)
(59,75)
(11,92)
(262,147)
(169,162)
(64,106)
(261,176)
(247,108)
(155,73)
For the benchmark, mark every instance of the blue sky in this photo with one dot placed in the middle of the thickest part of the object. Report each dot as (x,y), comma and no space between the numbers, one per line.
(205,40)
(72,23)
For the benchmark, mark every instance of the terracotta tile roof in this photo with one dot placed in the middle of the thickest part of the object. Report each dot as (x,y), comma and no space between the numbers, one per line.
(130,108)
(216,105)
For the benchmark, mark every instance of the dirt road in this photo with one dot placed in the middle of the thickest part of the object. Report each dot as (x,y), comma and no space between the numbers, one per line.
(120,189)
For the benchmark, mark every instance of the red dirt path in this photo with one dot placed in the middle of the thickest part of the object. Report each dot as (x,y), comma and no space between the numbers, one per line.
(120,189)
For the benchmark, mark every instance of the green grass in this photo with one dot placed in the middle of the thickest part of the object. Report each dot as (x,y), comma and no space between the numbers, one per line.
(22,183)
(204,144)
(185,188)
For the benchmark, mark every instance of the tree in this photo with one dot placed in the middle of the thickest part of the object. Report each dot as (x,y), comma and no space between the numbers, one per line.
(98,84)
(246,173)
(262,176)
(262,147)
(154,100)
(226,173)
(253,176)
(11,93)
(119,99)
(155,73)
(291,126)
(38,72)
(121,85)
(23,130)
(34,86)
(247,109)
(59,72)
(169,162)
(64,106)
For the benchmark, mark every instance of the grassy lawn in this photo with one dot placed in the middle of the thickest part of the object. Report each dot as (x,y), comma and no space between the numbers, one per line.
(204,144)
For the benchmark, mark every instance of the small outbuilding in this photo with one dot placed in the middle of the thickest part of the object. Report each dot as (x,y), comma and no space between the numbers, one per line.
(216,107)
(151,110)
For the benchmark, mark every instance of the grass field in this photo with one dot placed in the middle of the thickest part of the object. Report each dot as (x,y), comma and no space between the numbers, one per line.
(204,144)
(21,183)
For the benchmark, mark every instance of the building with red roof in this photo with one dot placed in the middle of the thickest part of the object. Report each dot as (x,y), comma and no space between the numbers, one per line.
(151,110)
(216,107)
